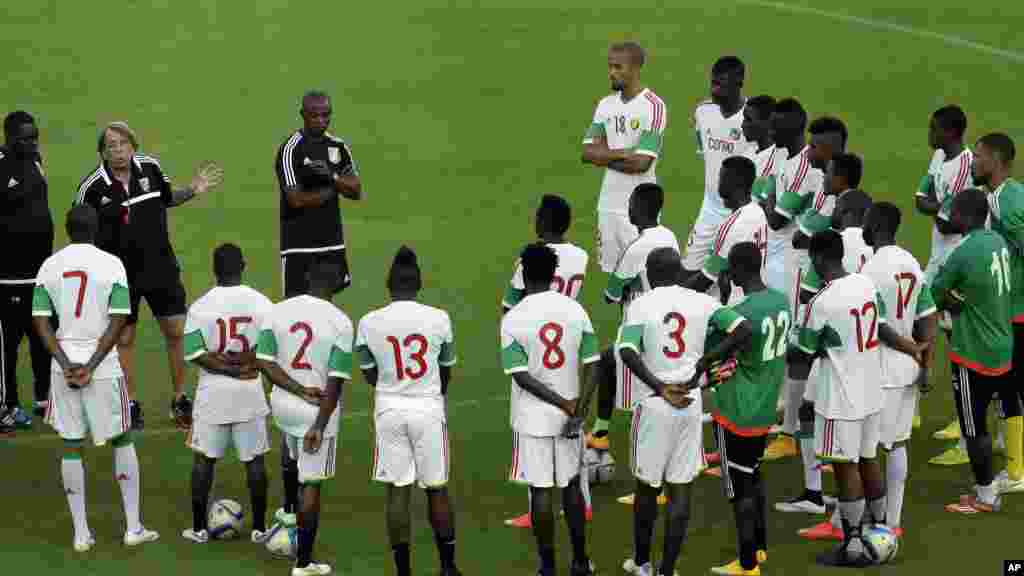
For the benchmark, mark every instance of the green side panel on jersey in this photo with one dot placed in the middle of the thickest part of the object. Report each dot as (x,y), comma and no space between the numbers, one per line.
(649,141)
(631,336)
(339,363)
(927,186)
(700,142)
(447,357)
(764,186)
(266,346)
(512,296)
(792,204)
(811,222)
(588,346)
(982,333)
(725,319)
(715,265)
(882,309)
(596,130)
(513,358)
(366,359)
(748,399)
(120,300)
(810,280)
(41,303)
(195,345)
(617,286)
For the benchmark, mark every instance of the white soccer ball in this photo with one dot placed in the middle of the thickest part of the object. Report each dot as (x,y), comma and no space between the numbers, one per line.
(283,541)
(224,521)
(600,466)
(880,543)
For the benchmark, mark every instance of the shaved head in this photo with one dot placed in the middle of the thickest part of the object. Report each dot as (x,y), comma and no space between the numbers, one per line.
(664,267)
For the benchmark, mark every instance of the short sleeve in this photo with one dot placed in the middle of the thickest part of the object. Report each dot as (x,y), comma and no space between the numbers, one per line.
(287,166)
(266,346)
(725,319)
(513,355)
(714,266)
(810,281)
(699,130)
(947,277)
(41,303)
(650,141)
(926,187)
(362,348)
(797,195)
(346,163)
(596,129)
(516,288)
(925,302)
(945,209)
(120,300)
(194,343)
(448,357)
(339,364)
(813,220)
(625,273)
(764,186)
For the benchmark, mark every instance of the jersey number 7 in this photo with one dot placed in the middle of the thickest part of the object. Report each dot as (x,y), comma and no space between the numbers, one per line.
(83,282)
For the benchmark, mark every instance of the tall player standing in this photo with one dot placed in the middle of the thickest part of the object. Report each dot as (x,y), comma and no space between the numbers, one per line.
(719,136)
(662,340)
(221,332)
(546,340)
(305,350)
(551,222)
(87,289)
(625,138)
(948,174)
(406,352)
(767,156)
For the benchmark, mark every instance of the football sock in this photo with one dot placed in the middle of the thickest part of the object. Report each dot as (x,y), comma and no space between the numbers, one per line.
(895,484)
(761,502)
(547,561)
(600,427)
(543,518)
(745,510)
(979,449)
(306,535)
(73,472)
(442,520)
(401,553)
(575,517)
(812,473)
(126,470)
(645,513)
(836,519)
(987,493)
(851,513)
(202,480)
(585,489)
(257,479)
(676,522)
(290,478)
(877,507)
(1015,447)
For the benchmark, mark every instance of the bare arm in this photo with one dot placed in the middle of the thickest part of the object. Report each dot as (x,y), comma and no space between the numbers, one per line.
(805,296)
(370,375)
(698,282)
(278,377)
(107,342)
(632,164)
(799,364)
(776,221)
(298,198)
(350,186)
(740,336)
(598,153)
(49,338)
(801,241)
(893,340)
(217,364)
(639,369)
(924,333)
(446,378)
(927,205)
(329,401)
(527,382)
(945,226)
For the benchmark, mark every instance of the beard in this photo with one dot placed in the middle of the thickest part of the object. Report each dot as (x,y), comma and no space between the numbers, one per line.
(618,85)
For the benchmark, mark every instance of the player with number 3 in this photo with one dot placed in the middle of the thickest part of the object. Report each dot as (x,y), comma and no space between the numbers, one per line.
(305,350)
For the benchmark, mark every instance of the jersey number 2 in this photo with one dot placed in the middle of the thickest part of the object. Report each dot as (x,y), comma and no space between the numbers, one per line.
(299,361)
(416,356)
(83,282)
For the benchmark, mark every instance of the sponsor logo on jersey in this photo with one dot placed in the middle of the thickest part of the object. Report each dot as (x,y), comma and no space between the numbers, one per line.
(12,183)
(721,145)
(735,133)
(334,154)
(144,184)
(635,124)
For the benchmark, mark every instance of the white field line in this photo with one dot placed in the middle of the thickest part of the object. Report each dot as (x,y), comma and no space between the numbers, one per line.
(889,26)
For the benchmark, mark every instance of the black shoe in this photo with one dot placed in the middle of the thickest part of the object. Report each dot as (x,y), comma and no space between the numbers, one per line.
(581,569)
(7,425)
(845,556)
(451,572)
(136,411)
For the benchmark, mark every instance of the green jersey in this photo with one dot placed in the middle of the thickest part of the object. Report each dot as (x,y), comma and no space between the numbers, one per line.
(1007,209)
(978,270)
(746,403)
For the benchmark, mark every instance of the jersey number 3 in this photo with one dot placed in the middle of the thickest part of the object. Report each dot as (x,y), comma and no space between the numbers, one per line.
(417,356)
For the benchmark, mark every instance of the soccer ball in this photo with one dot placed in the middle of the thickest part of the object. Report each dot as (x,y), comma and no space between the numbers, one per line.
(282,541)
(600,466)
(225,520)
(880,543)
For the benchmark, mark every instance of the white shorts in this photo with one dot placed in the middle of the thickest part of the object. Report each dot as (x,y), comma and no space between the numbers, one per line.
(545,461)
(898,407)
(249,438)
(624,379)
(317,467)
(847,441)
(614,234)
(702,239)
(411,446)
(100,410)
(668,444)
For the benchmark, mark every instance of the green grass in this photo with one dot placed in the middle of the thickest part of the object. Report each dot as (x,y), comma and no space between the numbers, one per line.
(461,115)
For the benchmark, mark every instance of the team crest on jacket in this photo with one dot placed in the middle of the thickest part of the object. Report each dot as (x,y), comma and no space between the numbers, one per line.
(144,184)
(334,154)
(735,133)
(635,124)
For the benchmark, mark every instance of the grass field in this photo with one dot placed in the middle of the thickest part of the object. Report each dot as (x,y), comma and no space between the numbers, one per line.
(461,115)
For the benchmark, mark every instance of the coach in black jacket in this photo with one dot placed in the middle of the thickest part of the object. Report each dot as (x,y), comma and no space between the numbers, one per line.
(26,234)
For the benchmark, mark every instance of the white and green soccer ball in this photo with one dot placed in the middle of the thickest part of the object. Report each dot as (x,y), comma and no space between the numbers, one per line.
(599,466)
(880,543)
(224,520)
(283,541)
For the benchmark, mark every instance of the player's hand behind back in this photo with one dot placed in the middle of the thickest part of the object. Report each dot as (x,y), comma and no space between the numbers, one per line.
(312,441)
(311,395)
(677,394)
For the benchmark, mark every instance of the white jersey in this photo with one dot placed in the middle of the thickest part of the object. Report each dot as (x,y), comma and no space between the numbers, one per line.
(408,343)
(718,138)
(83,286)
(668,327)
(841,322)
(900,283)
(311,340)
(746,224)
(856,253)
(947,178)
(637,126)
(795,189)
(572,268)
(629,279)
(548,335)
(227,319)
(769,161)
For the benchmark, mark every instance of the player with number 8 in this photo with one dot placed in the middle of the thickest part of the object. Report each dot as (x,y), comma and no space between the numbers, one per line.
(305,350)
